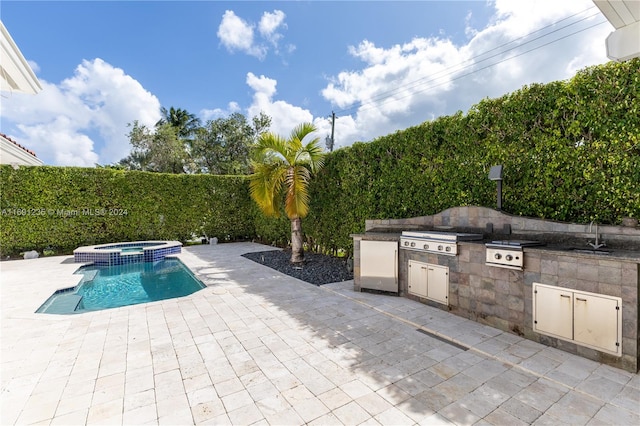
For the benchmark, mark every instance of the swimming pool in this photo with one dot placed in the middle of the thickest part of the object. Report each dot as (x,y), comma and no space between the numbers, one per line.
(105,287)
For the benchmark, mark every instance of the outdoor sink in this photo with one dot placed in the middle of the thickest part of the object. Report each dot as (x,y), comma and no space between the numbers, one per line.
(591,251)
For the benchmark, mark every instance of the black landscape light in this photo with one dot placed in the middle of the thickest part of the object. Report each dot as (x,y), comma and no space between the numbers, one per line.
(496,174)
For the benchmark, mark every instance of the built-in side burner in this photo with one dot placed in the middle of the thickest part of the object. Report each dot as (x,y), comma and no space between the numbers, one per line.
(435,241)
(508,253)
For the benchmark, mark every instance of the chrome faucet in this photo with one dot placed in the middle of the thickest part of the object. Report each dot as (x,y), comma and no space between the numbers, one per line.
(595,245)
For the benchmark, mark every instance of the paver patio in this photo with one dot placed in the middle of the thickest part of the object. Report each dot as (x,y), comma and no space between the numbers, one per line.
(260,347)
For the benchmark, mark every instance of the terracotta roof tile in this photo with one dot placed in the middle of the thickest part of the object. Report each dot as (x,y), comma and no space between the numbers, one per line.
(18,145)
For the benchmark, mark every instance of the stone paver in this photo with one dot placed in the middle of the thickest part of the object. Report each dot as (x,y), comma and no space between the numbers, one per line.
(258,347)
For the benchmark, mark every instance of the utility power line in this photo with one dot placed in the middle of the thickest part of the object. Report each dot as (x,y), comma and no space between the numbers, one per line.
(450,71)
(370,105)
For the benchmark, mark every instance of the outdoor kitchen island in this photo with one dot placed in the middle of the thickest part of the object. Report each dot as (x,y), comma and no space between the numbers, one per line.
(534,278)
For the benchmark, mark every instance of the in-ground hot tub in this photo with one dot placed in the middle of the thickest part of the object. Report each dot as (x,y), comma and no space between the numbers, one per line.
(128,252)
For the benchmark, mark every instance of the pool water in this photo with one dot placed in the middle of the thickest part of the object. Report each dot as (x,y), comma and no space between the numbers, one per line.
(105,287)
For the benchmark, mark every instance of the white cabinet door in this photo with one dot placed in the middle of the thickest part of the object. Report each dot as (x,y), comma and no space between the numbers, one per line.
(379,265)
(438,283)
(418,278)
(588,319)
(597,321)
(429,281)
(553,311)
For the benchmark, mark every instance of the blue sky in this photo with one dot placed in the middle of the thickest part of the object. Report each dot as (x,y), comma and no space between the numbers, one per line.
(380,65)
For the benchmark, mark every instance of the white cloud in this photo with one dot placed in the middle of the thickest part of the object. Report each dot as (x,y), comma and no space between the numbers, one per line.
(65,146)
(83,120)
(34,66)
(269,24)
(517,18)
(237,34)
(212,114)
(284,116)
(409,83)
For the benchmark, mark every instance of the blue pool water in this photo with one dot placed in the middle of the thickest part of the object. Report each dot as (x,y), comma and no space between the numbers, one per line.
(104,287)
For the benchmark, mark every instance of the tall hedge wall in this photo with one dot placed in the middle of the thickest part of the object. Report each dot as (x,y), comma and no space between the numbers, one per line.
(570,151)
(67,207)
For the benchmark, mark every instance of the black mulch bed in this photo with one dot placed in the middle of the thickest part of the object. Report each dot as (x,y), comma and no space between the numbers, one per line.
(316,269)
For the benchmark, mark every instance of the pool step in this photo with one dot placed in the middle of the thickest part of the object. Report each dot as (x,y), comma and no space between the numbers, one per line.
(63,304)
(89,276)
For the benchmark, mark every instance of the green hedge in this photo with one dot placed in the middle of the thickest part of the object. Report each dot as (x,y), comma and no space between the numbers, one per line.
(570,150)
(66,207)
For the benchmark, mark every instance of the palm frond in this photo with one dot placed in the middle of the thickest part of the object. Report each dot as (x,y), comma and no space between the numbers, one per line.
(297,184)
(301,131)
(265,186)
(315,155)
(270,148)
(285,165)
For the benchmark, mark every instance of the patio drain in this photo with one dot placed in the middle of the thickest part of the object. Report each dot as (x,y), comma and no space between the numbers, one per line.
(435,336)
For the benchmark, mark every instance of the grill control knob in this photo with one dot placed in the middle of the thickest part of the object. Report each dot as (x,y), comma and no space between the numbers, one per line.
(413,244)
(497,256)
(406,243)
(440,248)
(426,247)
(509,257)
(448,248)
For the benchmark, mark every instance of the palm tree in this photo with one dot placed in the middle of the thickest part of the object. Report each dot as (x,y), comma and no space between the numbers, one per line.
(284,167)
(184,121)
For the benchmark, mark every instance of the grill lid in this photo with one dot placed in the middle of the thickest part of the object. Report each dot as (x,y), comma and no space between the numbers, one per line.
(442,236)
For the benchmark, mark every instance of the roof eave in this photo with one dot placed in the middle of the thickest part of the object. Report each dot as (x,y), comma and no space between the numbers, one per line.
(15,73)
(623,43)
(16,155)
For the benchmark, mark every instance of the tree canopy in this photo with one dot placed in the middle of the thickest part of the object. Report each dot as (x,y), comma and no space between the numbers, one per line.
(222,145)
(180,144)
(160,150)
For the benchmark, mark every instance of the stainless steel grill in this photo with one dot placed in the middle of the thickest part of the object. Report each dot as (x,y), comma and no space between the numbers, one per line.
(435,241)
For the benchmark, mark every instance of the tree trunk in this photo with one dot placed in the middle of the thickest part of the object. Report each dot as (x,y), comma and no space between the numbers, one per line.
(297,253)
